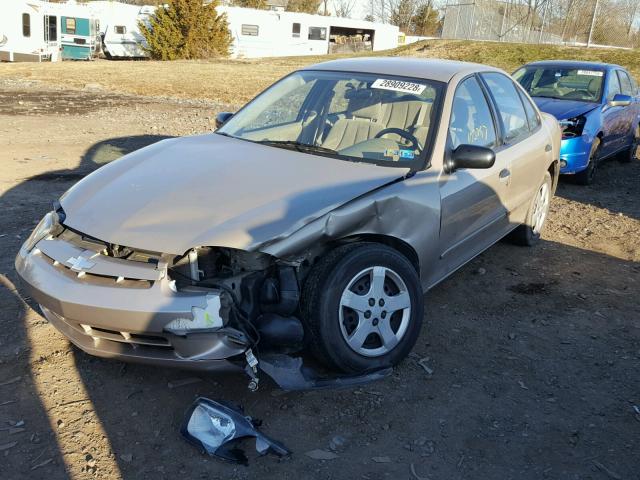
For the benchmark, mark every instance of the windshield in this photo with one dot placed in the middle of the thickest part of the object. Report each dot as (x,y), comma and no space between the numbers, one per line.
(362,117)
(563,83)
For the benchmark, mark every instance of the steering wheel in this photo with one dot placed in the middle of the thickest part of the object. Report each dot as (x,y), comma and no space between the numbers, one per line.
(415,144)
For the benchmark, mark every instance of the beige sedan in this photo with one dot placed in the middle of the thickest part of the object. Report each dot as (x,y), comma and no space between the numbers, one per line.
(312,220)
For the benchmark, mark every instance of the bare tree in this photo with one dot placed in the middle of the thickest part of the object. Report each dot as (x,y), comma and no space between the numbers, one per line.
(343,8)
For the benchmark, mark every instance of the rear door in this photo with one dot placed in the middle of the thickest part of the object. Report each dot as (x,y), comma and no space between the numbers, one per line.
(631,112)
(525,143)
(474,213)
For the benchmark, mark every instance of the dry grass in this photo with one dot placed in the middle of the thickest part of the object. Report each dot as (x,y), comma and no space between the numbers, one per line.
(236,81)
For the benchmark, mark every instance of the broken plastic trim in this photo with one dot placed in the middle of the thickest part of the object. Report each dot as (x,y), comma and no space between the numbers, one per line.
(217,429)
(291,374)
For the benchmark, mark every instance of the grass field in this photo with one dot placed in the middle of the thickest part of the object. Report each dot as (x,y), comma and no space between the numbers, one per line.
(236,81)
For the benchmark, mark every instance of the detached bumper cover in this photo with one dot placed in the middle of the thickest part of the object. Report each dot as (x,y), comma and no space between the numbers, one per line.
(121,317)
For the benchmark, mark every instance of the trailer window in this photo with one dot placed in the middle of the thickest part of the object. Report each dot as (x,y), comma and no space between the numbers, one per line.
(26,25)
(295,31)
(70,25)
(317,33)
(250,30)
(51,28)
(120,29)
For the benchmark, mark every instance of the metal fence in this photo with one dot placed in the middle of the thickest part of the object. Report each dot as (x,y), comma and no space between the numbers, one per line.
(593,23)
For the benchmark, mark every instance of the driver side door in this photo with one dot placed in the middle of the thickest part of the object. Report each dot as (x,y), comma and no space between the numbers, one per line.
(473,201)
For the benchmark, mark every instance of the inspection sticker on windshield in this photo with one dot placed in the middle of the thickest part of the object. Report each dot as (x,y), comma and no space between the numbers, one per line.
(591,73)
(398,154)
(399,86)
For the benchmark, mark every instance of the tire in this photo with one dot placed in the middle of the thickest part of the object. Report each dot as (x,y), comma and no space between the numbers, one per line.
(632,154)
(528,234)
(331,324)
(586,176)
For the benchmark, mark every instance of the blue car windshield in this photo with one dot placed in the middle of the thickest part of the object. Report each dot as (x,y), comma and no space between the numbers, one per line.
(580,84)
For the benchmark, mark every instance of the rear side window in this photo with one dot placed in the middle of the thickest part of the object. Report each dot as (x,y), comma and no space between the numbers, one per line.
(625,83)
(532,115)
(471,119)
(295,30)
(26,25)
(510,108)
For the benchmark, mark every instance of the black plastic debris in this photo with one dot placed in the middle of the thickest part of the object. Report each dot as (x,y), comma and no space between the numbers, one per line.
(218,429)
(290,373)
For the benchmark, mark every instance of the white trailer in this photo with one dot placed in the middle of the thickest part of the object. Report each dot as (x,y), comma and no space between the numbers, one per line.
(119,30)
(264,33)
(29,31)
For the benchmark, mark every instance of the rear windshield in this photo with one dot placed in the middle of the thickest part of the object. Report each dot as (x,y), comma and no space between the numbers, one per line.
(583,84)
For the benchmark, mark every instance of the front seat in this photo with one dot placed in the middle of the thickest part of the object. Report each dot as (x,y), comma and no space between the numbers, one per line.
(362,122)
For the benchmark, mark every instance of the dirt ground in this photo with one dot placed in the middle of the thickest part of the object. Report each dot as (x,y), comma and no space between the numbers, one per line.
(533,354)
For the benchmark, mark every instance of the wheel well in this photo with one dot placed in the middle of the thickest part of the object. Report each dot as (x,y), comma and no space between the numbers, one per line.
(554,171)
(400,245)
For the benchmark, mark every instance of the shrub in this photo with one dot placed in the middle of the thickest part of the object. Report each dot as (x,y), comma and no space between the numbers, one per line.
(187,29)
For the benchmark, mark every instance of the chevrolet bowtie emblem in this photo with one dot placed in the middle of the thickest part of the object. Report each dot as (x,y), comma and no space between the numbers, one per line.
(80,264)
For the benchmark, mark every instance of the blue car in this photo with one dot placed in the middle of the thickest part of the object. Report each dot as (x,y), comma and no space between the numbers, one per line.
(597,106)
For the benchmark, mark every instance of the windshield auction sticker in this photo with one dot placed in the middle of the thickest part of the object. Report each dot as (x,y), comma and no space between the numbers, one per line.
(591,73)
(399,86)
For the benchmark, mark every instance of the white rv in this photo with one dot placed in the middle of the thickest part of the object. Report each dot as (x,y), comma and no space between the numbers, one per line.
(29,31)
(118,27)
(264,33)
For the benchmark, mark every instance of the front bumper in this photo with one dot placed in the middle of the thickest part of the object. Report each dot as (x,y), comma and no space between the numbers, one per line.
(121,316)
(574,153)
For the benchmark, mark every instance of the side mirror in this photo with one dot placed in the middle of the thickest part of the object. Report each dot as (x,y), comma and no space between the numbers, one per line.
(620,100)
(471,156)
(222,117)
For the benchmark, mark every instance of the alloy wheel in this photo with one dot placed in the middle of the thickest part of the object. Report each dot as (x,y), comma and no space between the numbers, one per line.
(374,311)
(540,208)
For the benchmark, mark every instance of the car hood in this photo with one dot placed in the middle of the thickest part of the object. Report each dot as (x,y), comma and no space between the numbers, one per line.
(211,190)
(564,109)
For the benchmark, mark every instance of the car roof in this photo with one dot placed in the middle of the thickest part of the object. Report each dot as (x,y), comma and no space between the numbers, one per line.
(573,63)
(428,69)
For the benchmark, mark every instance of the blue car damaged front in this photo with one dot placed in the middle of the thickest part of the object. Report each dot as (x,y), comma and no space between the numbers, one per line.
(595,104)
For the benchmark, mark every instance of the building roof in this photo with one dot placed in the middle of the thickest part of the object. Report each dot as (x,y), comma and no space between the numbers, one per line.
(431,69)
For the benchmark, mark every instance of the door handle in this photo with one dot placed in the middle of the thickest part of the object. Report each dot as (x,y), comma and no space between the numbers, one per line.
(504,175)
(547,148)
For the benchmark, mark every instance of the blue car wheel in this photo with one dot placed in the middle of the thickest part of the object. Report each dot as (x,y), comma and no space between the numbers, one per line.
(586,176)
(633,153)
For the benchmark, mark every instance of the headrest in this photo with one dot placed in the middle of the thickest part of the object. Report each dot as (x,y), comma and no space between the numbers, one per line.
(594,86)
(364,104)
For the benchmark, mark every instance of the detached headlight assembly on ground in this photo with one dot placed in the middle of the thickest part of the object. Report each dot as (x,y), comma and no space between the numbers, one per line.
(572,127)
(217,429)
(49,225)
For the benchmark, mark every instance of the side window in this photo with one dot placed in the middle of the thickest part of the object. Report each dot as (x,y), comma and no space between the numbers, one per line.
(295,30)
(505,95)
(532,115)
(26,25)
(249,30)
(471,119)
(70,25)
(317,33)
(613,87)
(625,83)
(120,29)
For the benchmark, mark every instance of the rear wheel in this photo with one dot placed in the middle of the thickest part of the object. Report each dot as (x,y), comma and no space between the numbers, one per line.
(634,150)
(528,234)
(362,305)
(586,176)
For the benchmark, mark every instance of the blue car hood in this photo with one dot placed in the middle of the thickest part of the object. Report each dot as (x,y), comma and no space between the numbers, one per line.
(564,109)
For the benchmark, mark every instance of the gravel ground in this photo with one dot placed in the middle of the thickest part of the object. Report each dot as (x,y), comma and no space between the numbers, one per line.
(532,355)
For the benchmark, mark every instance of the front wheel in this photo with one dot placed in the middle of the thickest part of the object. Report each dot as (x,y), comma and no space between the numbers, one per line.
(362,305)
(528,234)
(586,176)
